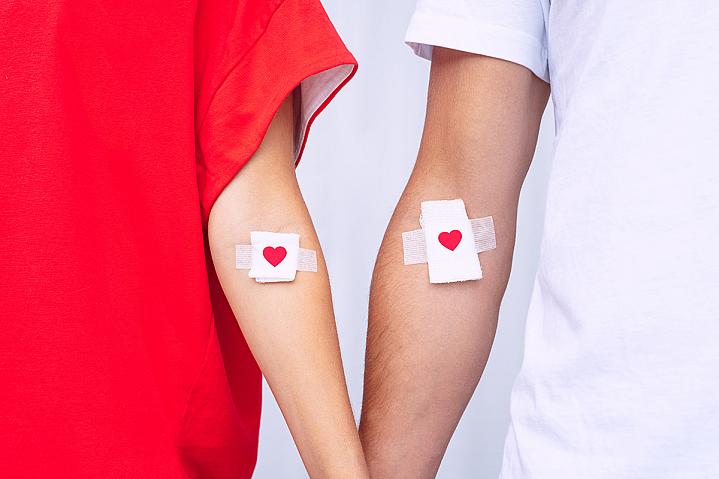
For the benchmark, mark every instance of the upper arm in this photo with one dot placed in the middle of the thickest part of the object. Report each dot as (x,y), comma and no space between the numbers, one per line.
(482,122)
(263,183)
(487,88)
(481,127)
(263,196)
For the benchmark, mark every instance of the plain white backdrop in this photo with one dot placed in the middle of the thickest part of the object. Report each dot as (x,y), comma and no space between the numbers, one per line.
(359,156)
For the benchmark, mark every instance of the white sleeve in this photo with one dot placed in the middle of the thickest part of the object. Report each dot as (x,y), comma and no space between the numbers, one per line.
(513,30)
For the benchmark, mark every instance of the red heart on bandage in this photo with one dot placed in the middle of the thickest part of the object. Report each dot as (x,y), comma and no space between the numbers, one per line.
(450,239)
(274,256)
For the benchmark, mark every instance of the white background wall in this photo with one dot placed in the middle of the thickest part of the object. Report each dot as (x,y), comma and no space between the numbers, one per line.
(358,159)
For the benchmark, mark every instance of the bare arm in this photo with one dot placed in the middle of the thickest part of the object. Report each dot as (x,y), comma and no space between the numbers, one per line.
(428,344)
(289,326)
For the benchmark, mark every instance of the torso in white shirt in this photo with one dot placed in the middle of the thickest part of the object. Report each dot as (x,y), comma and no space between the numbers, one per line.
(620,378)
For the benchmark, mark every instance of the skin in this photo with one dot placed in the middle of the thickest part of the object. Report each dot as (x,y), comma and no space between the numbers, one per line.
(289,326)
(428,344)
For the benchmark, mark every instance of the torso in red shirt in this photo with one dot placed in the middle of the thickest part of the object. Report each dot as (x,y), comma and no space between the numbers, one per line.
(118,357)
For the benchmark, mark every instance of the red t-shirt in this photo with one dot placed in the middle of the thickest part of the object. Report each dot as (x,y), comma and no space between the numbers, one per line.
(121,122)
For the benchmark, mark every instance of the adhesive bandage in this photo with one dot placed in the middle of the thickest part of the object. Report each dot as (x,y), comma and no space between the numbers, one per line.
(274,257)
(449,242)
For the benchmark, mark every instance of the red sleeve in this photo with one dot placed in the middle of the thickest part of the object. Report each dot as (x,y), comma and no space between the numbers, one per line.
(250,55)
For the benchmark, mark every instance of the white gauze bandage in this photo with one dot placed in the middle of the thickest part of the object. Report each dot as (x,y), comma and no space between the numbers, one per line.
(274,257)
(449,242)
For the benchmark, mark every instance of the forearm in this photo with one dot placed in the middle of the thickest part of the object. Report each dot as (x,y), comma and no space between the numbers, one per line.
(291,331)
(428,343)
(289,326)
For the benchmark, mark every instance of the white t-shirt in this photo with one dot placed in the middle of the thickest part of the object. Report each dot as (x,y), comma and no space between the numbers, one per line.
(620,378)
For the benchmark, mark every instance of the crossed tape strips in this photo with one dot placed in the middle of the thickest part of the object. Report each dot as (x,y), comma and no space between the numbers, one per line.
(415,246)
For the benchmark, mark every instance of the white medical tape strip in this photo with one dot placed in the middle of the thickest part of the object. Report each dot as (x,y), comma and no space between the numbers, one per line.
(306,259)
(243,256)
(484,236)
(415,246)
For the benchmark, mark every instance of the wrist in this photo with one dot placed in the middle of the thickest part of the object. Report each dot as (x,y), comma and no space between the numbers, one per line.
(339,459)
